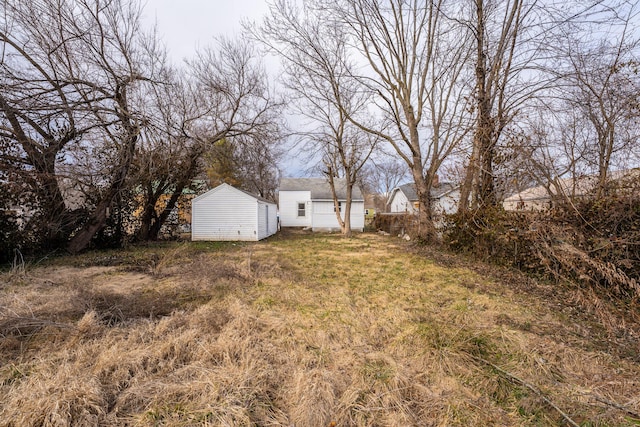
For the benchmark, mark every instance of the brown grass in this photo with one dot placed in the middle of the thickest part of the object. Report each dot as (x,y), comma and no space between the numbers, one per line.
(300,330)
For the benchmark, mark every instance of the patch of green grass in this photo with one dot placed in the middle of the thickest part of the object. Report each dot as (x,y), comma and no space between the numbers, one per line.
(378,371)
(265,302)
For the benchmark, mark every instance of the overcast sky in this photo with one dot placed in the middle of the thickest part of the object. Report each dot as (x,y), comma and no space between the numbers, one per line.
(184,25)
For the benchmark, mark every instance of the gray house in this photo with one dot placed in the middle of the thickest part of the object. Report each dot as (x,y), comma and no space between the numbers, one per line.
(444,199)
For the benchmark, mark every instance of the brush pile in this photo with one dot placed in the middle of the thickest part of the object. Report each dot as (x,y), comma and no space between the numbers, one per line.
(593,242)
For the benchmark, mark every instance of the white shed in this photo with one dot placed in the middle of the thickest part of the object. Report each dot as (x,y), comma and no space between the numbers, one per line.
(227,213)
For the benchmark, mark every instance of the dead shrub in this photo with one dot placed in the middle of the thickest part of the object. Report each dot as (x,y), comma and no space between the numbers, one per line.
(591,242)
(396,223)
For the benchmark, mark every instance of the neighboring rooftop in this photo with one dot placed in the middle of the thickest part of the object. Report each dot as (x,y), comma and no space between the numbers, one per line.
(570,186)
(443,188)
(320,188)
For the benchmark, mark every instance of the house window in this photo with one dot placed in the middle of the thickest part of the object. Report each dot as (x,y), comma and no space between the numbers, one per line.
(302,209)
(339,206)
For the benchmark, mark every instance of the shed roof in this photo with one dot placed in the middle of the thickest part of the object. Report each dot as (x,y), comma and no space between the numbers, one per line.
(320,188)
(255,196)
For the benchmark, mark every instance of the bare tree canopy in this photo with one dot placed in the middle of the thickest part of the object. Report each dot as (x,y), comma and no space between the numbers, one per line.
(91,114)
(319,79)
(71,72)
(405,74)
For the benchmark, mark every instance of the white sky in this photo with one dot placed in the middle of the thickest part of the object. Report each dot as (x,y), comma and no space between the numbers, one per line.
(185,25)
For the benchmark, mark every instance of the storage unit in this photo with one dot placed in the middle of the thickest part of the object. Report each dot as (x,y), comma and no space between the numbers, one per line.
(228,213)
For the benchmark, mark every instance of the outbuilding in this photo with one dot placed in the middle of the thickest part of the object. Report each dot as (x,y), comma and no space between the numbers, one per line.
(228,213)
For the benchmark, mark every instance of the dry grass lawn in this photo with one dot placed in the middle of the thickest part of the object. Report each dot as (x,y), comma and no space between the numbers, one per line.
(308,331)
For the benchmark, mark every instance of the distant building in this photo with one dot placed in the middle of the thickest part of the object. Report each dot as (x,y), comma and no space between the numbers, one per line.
(444,199)
(308,202)
(542,197)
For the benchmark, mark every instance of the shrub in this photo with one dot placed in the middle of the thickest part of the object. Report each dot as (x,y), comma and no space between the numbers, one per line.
(592,241)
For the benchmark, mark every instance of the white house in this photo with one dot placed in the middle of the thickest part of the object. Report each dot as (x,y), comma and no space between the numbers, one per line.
(444,199)
(227,213)
(531,199)
(542,197)
(308,202)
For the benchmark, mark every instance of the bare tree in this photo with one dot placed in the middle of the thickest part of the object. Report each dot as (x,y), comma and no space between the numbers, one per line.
(71,70)
(224,102)
(380,176)
(237,104)
(42,113)
(120,59)
(165,160)
(318,73)
(502,32)
(603,86)
(586,122)
(520,50)
(415,60)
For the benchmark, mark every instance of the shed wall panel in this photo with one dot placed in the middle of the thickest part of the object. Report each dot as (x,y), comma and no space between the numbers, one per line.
(225,214)
(273,219)
(263,221)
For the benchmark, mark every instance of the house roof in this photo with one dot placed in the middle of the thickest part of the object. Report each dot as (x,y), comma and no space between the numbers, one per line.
(319,188)
(411,194)
(572,186)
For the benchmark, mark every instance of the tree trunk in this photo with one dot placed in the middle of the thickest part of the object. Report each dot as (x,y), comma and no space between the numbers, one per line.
(81,240)
(336,202)
(154,232)
(346,231)
(426,227)
(483,138)
(466,190)
(148,217)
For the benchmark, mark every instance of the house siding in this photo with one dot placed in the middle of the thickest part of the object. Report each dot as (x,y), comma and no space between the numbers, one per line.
(532,205)
(272,226)
(400,203)
(446,204)
(324,217)
(226,213)
(289,208)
